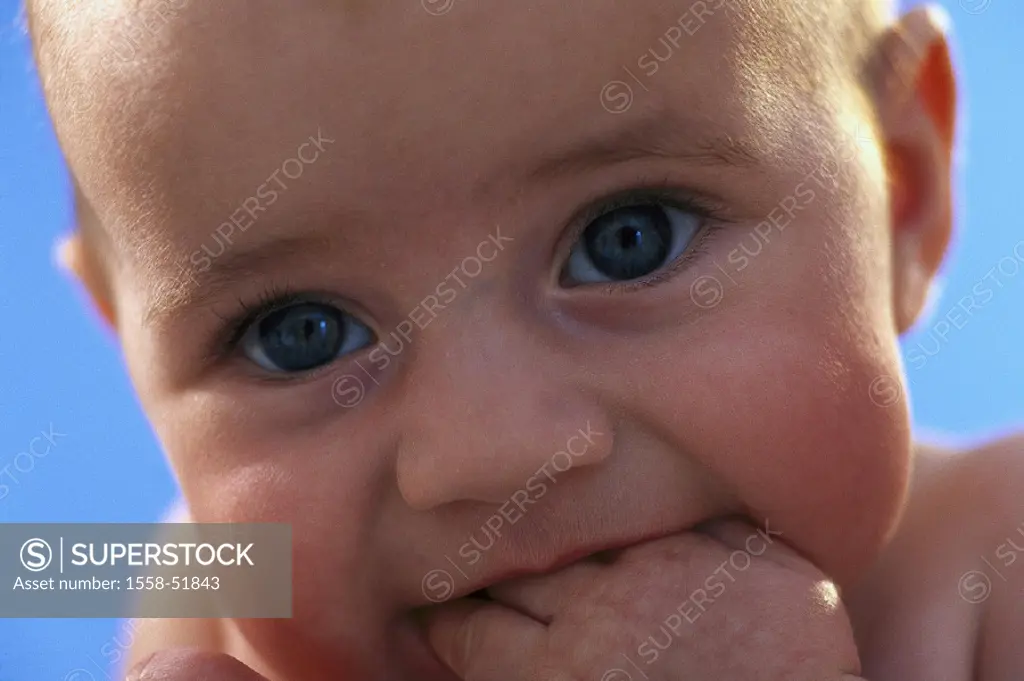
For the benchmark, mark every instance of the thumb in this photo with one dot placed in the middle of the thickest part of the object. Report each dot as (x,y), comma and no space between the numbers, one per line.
(189,664)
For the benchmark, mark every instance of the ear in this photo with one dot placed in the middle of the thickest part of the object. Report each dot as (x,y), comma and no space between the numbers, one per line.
(914,89)
(77,258)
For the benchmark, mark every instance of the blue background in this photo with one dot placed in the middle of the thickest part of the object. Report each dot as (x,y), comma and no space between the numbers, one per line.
(59,368)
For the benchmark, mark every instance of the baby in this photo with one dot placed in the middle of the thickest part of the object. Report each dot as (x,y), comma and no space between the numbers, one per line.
(563,335)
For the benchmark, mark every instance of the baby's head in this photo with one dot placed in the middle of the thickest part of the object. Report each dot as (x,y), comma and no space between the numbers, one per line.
(483,287)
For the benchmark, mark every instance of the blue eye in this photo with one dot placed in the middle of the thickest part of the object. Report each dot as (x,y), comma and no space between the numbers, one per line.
(629,243)
(302,337)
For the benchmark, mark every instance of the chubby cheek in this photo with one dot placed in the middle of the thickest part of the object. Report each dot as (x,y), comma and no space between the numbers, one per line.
(822,449)
(232,468)
(808,431)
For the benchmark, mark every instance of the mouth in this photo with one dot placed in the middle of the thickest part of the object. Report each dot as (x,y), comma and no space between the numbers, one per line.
(604,552)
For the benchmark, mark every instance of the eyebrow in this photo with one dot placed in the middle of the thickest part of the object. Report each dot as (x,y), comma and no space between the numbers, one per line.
(654,135)
(189,288)
(658,134)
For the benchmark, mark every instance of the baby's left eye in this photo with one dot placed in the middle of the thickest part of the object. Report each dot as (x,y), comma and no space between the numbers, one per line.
(630,242)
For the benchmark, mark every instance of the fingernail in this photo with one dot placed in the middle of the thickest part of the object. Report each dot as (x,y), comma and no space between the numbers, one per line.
(138,670)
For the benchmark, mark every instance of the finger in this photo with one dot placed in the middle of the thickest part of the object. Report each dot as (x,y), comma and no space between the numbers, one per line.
(481,641)
(542,597)
(188,664)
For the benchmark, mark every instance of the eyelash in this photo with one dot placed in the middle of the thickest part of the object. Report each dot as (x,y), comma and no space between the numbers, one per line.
(247,313)
(275,297)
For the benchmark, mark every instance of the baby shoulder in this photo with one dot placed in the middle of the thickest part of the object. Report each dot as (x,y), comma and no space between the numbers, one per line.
(984,484)
(971,502)
(965,501)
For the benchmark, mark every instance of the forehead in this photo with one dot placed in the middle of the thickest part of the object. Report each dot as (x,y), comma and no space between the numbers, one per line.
(426,102)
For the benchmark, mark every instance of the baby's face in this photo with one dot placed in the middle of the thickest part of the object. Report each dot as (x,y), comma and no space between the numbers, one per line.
(482,309)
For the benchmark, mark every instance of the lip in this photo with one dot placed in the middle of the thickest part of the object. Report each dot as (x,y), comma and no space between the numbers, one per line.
(542,567)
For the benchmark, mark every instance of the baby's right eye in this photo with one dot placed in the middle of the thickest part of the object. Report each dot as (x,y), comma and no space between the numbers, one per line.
(303,336)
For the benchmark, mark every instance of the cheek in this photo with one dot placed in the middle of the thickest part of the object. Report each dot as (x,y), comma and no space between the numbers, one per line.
(822,449)
(232,468)
(802,431)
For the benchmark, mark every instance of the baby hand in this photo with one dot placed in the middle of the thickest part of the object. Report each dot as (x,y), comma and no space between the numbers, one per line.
(192,665)
(732,603)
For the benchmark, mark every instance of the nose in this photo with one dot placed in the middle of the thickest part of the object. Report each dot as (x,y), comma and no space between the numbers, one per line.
(488,412)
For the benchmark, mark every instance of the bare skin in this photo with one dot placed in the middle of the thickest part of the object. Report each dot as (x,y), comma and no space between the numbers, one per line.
(755,376)
(914,614)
